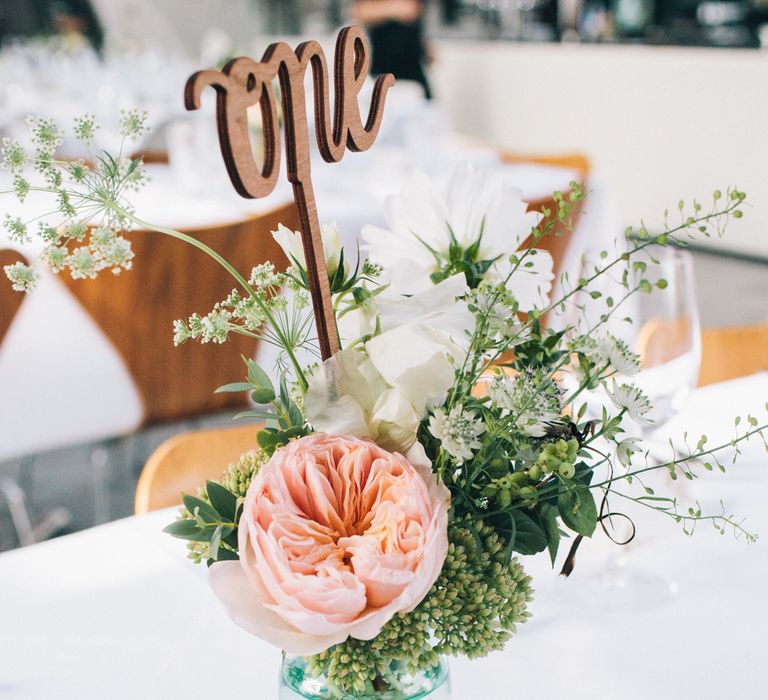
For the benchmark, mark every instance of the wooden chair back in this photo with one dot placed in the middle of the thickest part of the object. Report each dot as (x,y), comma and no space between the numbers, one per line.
(184,462)
(570,161)
(557,243)
(169,281)
(729,353)
(10,300)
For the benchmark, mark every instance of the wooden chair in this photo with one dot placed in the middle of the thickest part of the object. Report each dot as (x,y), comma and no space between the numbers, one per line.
(10,300)
(27,531)
(728,353)
(171,280)
(184,462)
(570,161)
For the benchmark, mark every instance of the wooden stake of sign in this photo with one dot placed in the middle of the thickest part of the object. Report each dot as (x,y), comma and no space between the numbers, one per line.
(243,83)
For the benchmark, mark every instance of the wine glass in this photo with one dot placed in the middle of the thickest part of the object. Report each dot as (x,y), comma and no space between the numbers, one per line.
(666,332)
(653,310)
(660,322)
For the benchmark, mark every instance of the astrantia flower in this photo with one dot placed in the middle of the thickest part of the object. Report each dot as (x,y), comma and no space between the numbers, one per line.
(625,449)
(616,352)
(632,400)
(532,399)
(457,431)
(497,309)
(473,224)
(337,536)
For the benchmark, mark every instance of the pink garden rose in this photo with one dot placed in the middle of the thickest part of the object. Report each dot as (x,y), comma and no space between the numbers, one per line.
(337,535)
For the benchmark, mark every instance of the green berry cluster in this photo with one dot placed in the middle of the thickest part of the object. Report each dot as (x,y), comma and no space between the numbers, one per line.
(512,487)
(473,609)
(557,457)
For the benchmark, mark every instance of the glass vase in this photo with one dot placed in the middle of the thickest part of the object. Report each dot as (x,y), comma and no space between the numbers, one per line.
(297,682)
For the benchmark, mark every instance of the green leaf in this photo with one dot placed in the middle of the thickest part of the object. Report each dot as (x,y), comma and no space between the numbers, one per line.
(215,542)
(548,515)
(225,554)
(294,415)
(234,388)
(254,414)
(584,471)
(258,377)
(224,501)
(267,441)
(134,164)
(578,510)
(230,540)
(285,395)
(530,538)
(204,510)
(264,415)
(265,395)
(184,530)
(294,432)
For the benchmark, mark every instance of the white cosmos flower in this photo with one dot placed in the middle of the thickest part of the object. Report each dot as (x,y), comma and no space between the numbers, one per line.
(473,205)
(290,242)
(632,400)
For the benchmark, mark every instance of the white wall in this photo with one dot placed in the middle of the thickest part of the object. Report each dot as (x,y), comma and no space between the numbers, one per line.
(179,25)
(659,124)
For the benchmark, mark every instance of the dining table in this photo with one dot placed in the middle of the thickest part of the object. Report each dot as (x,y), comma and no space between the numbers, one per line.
(119,611)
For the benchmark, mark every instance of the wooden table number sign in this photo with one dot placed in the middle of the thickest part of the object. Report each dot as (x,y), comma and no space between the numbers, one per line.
(243,83)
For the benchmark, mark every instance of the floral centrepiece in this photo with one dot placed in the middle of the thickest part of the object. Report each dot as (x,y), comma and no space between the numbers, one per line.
(400,483)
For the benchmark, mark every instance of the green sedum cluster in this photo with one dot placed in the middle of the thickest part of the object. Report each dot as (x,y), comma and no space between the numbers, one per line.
(236,479)
(238,475)
(474,607)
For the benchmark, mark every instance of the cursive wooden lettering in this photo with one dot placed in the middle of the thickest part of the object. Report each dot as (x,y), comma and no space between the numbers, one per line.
(243,83)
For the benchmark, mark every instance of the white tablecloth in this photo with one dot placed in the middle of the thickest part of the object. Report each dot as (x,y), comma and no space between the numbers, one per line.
(118,612)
